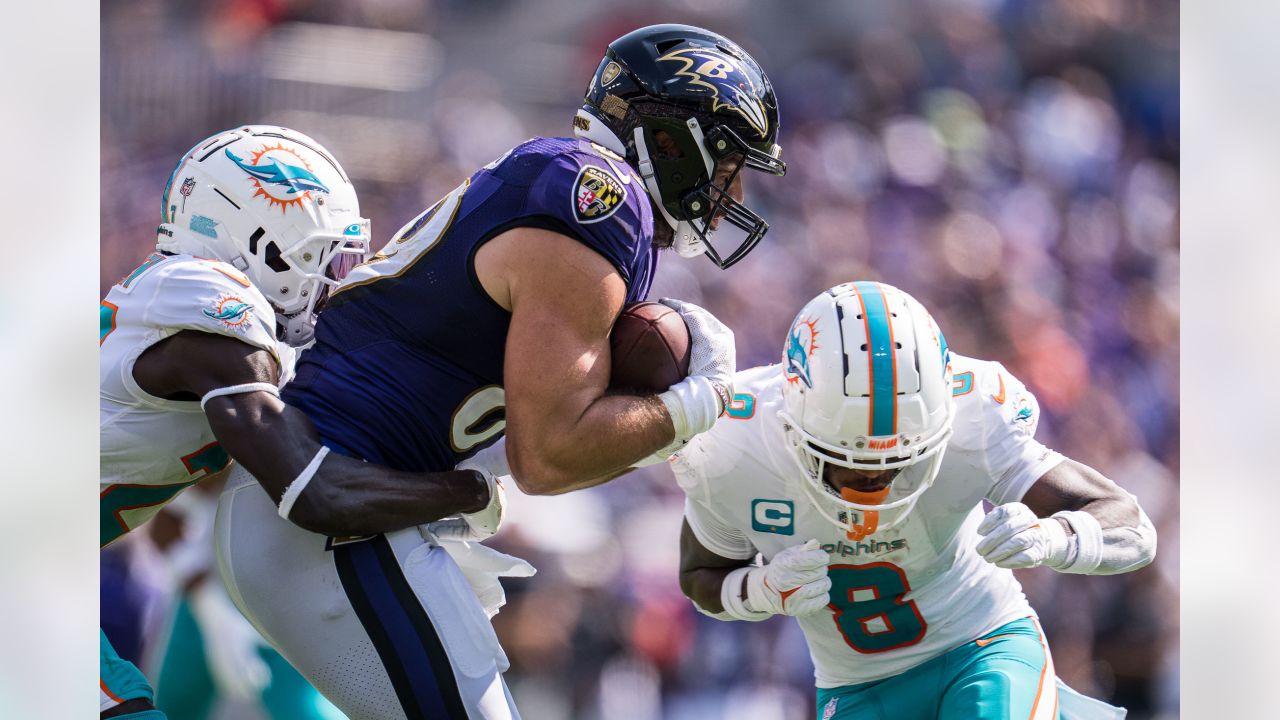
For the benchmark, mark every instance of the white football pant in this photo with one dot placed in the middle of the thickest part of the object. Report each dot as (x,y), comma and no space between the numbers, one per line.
(386,627)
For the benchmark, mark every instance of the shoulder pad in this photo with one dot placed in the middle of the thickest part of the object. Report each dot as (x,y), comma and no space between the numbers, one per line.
(712,463)
(605,152)
(600,202)
(990,402)
(189,293)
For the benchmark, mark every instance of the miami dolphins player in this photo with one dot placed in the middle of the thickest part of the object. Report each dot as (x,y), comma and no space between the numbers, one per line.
(857,470)
(489,313)
(258,223)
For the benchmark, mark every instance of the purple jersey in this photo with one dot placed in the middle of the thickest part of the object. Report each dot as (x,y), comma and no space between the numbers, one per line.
(408,360)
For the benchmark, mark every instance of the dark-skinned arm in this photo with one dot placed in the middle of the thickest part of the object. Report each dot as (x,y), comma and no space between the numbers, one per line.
(564,432)
(702,572)
(276,442)
(1071,485)
(1073,519)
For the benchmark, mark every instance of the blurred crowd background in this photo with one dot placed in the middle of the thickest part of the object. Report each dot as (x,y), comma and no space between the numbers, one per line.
(1014,165)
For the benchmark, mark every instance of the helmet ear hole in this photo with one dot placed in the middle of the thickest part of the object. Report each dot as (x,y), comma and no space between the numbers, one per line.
(666,146)
(253,240)
(272,258)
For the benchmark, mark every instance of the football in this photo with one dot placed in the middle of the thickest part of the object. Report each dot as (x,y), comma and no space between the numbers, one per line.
(650,345)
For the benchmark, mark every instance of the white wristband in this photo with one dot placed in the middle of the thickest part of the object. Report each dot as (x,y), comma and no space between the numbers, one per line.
(240,390)
(1062,551)
(731,597)
(693,405)
(299,483)
(1087,542)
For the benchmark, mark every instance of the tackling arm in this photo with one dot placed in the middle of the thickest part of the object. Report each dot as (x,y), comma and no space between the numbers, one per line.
(563,431)
(1073,519)
(276,443)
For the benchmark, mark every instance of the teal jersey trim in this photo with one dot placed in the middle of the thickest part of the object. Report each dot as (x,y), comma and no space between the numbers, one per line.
(118,498)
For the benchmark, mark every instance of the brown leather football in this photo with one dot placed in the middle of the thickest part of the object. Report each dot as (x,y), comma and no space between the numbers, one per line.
(650,345)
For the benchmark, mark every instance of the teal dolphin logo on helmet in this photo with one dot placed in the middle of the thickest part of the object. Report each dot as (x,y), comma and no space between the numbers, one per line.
(800,346)
(274,172)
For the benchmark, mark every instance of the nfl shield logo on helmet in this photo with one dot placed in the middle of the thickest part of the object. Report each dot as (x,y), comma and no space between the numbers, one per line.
(596,195)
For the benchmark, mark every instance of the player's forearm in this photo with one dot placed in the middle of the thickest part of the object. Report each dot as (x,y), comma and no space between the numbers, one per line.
(1114,512)
(349,497)
(1106,531)
(703,574)
(1071,541)
(613,433)
(704,586)
(276,443)
(1107,546)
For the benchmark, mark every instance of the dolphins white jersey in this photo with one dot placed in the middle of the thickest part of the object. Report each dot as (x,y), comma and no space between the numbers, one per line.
(899,597)
(153,448)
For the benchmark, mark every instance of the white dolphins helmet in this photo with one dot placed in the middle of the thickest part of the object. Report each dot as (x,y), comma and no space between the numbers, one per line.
(275,204)
(868,387)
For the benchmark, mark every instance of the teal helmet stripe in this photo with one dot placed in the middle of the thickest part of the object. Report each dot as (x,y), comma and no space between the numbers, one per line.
(883,358)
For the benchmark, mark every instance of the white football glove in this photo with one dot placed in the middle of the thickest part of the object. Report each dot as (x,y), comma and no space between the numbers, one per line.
(485,522)
(695,402)
(1013,537)
(230,644)
(481,565)
(794,583)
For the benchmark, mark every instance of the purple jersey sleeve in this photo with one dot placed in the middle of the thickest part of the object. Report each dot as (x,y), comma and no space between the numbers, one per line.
(601,202)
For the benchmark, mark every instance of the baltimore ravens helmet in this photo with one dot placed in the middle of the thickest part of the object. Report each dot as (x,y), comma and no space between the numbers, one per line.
(713,101)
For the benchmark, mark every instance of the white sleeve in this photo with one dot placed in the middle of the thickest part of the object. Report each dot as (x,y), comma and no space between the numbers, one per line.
(212,297)
(716,535)
(1014,458)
